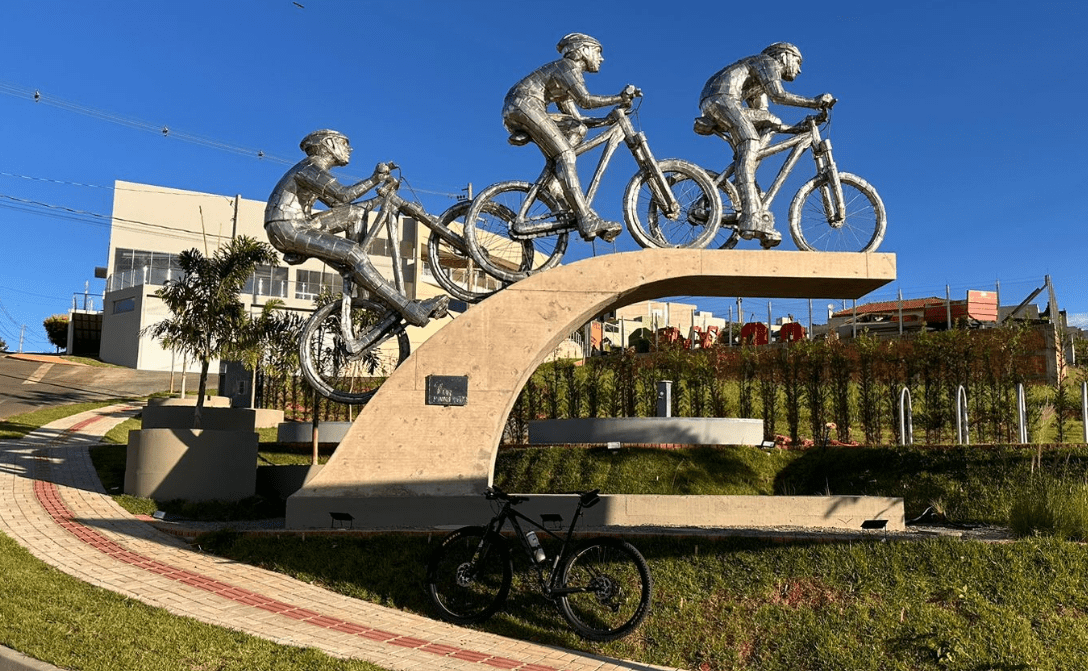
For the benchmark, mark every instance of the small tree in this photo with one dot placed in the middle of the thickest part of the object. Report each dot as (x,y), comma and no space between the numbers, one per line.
(207,316)
(56,327)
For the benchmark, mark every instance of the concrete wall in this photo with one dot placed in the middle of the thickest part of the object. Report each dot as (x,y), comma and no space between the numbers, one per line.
(652,430)
(675,512)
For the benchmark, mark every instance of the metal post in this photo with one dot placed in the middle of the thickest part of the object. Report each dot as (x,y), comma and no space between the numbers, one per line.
(854,319)
(1084,408)
(906,418)
(1022,413)
(900,313)
(664,398)
(948,307)
(962,431)
(768,321)
(808,336)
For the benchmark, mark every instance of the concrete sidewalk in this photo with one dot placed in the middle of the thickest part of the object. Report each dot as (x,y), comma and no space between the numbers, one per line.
(52,503)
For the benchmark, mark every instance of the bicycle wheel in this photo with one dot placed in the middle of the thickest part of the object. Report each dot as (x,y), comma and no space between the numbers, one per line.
(614,586)
(496,244)
(862,229)
(468,576)
(331,369)
(700,208)
(453,267)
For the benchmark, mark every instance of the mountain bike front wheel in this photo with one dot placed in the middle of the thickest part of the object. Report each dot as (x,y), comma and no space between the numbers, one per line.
(693,227)
(469,575)
(334,372)
(862,226)
(612,589)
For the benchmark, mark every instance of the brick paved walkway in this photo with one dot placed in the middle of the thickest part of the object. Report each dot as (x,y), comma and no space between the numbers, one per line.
(52,503)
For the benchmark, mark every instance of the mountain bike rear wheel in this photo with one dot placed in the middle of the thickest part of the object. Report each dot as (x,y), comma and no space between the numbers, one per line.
(614,588)
(862,229)
(331,369)
(469,575)
(696,223)
(496,245)
(454,268)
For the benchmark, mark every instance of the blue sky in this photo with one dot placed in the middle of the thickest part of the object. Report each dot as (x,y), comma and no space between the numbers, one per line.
(964,115)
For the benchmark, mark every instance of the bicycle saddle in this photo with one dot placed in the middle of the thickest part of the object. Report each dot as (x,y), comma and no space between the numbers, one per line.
(294,258)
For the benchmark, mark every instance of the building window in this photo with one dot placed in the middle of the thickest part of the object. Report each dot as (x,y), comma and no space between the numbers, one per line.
(124,305)
(268,281)
(134,267)
(309,284)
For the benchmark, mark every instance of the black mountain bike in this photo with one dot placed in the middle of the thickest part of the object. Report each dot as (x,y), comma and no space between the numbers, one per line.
(601,585)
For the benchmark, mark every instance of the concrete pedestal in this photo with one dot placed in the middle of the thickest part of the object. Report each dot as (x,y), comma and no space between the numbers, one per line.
(402,446)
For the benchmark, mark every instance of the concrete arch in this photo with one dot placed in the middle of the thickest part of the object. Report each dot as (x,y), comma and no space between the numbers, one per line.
(401,447)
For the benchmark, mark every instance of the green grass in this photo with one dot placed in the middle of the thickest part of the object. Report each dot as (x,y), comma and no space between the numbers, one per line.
(967,484)
(755,604)
(63,621)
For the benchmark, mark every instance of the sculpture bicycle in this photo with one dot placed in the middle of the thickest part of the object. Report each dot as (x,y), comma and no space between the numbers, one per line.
(344,340)
(668,203)
(832,212)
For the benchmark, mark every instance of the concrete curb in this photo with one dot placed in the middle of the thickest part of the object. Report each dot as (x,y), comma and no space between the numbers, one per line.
(12,660)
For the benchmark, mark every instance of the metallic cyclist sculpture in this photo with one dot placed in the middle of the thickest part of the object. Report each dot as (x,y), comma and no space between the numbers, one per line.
(525,109)
(833,211)
(294,228)
(514,229)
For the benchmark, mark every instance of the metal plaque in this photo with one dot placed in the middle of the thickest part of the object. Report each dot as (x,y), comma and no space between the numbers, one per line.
(447,390)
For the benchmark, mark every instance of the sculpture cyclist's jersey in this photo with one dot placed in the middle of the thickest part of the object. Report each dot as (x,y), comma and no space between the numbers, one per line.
(743,80)
(302,186)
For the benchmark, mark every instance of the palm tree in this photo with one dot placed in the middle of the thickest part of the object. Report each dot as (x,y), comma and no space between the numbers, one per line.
(208,318)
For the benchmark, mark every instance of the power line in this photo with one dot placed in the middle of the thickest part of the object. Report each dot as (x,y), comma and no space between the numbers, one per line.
(165,130)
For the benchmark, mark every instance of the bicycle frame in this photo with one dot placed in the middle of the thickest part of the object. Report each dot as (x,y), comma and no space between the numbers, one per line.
(512,515)
(620,129)
(831,191)
(390,204)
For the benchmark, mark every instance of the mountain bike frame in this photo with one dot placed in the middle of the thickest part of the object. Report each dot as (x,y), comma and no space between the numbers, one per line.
(620,129)
(806,136)
(510,514)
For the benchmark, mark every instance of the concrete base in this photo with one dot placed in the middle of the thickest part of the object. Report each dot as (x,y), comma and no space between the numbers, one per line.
(428,512)
(191,464)
(650,430)
(328,433)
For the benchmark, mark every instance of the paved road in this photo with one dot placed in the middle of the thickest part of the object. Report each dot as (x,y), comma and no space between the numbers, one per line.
(29,382)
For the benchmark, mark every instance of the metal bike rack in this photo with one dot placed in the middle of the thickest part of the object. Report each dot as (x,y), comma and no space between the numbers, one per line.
(1022,413)
(906,418)
(962,427)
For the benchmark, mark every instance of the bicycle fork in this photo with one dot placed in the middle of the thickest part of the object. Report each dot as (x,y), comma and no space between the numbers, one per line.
(659,185)
(831,187)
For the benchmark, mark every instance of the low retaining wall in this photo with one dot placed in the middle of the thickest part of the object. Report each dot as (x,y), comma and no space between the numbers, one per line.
(614,510)
(300,432)
(648,430)
(191,464)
